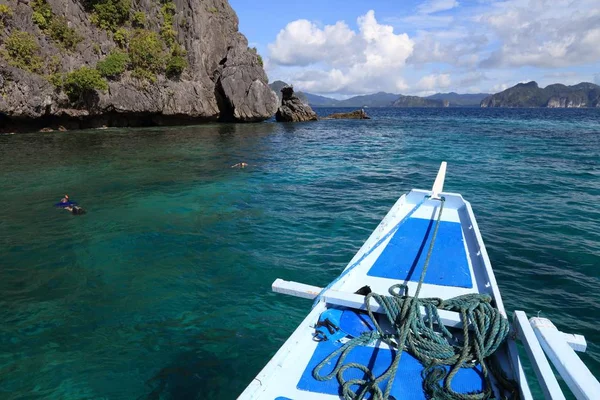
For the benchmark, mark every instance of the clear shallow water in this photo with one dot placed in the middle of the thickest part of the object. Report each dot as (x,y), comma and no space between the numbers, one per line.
(163,289)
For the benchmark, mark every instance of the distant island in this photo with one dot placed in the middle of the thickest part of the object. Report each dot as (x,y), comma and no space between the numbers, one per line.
(522,95)
(529,94)
(416,101)
(383,99)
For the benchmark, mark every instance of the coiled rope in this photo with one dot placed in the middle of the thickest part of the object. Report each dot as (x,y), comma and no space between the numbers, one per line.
(484,330)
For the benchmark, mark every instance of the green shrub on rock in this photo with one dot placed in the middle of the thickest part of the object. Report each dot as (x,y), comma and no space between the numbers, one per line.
(114,64)
(83,81)
(139,19)
(22,51)
(57,80)
(110,14)
(60,31)
(56,27)
(42,13)
(169,35)
(54,64)
(121,37)
(177,62)
(146,51)
(175,66)
(144,75)
(6,14)
(258,56)
(167,32)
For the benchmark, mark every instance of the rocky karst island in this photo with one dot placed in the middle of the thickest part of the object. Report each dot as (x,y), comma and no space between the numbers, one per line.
(81,64)
(529,95)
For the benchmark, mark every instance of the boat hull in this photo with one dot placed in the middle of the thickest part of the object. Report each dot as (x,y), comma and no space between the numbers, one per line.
(394,253)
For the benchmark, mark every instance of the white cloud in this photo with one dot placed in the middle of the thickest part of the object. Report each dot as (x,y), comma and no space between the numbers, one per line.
(433,82)
(301,42)
(344,60)
(421,21)
(500,87)
(433,6)
(506,34)
(449,44)
(472,78)
(459,47)
(544,33)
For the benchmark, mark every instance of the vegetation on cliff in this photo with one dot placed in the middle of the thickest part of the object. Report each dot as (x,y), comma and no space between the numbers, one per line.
(165,60)
(145,54)
(83,81)
(6,13)
(22,50)
(109,14)
(114,64)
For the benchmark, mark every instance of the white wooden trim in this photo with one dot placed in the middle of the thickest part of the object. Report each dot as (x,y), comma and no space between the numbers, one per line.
(438,184)
(540,364)
(576,342)
(577,376)
(295,289)
(355,301)
(350,300)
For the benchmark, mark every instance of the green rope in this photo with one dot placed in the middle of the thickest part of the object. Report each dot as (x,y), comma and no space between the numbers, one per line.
(416,335)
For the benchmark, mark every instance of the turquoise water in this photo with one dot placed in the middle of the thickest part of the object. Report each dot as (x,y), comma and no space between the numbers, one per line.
(162,291)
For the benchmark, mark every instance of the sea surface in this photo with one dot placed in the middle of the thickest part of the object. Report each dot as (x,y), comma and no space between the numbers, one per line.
(163,289)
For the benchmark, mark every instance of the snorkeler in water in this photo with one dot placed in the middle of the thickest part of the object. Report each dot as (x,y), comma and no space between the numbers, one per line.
(75,210)
(72,207)
(240,165)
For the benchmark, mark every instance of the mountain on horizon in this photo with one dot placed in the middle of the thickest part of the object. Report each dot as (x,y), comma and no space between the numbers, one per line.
(379,99)
(384,99)
(314,100)
(460,100)
(416,101)
(278,85)
(528,95)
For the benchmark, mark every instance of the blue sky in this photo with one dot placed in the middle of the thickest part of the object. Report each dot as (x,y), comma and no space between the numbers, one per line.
(342,48)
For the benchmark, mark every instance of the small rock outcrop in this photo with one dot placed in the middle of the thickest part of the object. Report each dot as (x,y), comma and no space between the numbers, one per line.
(357,114)
(292,109)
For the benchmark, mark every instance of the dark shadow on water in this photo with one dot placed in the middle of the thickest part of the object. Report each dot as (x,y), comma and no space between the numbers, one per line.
(191,375)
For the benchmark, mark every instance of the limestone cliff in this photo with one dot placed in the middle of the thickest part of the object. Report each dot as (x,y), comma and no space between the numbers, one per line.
(292,109)
(86,63)
(552,96)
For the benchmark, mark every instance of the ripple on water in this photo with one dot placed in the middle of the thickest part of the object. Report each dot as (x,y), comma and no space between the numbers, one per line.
(163,289)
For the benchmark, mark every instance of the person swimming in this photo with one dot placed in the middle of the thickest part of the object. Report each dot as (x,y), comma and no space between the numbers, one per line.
(72,207)
(75,210)
(240,165)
